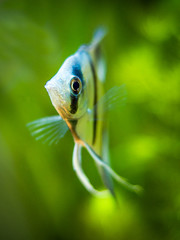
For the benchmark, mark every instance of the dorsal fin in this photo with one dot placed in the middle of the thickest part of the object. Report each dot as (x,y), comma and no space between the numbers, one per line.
(99,34)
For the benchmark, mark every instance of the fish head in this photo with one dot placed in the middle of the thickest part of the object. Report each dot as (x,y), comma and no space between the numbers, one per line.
(67,90)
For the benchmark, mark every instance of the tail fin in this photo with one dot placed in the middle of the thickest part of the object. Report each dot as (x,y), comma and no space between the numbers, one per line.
(106,176)
(99,34)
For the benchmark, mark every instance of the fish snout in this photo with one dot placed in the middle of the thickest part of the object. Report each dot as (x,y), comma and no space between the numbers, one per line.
(50,85)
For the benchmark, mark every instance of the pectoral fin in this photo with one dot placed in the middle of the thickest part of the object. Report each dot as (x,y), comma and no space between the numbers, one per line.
(49,129)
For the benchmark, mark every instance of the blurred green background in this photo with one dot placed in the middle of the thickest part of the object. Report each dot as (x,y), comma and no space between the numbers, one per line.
(40,195)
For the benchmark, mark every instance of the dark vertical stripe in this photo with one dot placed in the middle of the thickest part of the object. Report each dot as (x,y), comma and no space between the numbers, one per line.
(74,104)
(76,71)
(95,99)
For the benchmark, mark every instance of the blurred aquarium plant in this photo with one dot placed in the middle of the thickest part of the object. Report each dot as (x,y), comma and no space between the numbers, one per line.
(40,196)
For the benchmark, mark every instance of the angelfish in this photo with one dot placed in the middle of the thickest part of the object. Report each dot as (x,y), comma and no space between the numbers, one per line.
(76,92)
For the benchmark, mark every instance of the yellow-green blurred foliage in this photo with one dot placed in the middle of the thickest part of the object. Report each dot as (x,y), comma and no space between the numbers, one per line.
(40,195)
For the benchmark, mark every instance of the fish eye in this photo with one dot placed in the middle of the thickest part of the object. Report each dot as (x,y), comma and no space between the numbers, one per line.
(76,85)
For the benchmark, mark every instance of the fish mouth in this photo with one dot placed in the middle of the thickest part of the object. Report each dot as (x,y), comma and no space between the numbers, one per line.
(57,101)
(53,89)
(50,85)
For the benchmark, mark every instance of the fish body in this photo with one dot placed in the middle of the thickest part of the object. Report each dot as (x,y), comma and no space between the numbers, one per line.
(77,93)
(81,111)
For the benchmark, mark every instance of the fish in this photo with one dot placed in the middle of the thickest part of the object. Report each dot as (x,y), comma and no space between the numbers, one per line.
(77,93)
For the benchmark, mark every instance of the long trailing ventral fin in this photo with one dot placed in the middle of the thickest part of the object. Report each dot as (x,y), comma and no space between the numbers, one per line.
(81,175)
(119,179)
(48,129)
